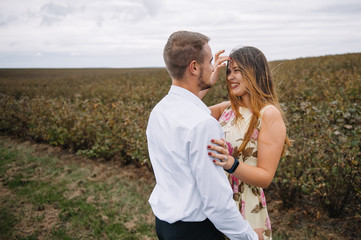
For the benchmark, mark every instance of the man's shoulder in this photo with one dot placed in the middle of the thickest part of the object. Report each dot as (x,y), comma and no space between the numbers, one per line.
(181,112)
(203,117)
(195,115)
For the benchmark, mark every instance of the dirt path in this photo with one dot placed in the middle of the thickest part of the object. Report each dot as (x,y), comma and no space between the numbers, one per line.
(297,223)
(97,171)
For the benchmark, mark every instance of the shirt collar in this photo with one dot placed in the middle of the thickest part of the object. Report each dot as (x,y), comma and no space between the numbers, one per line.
(189,96)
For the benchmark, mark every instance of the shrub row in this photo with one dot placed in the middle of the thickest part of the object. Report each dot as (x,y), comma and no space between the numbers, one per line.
(103,113)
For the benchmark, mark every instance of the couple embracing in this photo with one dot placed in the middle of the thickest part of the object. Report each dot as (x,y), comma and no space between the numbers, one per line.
(212,163)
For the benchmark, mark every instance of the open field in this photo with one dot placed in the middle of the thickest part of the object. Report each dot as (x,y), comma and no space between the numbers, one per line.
(102,114)
(49,193)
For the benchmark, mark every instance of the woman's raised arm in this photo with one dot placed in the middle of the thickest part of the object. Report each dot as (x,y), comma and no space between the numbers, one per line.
(219,62)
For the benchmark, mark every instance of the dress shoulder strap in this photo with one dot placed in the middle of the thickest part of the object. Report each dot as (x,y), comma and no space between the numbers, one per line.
(264,109)
(229,106)
(260,117)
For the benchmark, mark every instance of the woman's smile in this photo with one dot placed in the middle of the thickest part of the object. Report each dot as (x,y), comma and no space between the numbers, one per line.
(233,85)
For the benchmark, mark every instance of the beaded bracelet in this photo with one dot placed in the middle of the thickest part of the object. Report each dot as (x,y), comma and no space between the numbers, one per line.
(234,166)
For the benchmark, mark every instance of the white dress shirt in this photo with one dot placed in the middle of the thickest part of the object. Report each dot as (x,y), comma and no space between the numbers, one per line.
(189,186)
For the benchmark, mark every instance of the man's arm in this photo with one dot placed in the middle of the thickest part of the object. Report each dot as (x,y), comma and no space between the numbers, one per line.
(213,186)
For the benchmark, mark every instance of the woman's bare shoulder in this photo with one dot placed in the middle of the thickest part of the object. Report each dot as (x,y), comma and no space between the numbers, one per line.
(271,113)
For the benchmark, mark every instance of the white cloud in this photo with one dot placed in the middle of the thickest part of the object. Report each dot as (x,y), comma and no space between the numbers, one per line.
(132,33)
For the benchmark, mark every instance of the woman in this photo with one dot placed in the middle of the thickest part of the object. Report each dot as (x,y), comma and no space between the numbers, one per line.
(255,133)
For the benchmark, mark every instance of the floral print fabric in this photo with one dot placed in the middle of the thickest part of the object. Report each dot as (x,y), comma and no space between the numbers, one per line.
(250,200)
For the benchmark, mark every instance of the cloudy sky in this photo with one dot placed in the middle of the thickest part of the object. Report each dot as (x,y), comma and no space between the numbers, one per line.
(132,33)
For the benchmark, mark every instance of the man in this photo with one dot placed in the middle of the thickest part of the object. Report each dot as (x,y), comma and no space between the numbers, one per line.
(192,198)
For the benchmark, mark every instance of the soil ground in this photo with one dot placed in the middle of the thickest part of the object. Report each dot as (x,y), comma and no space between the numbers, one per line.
(302,221)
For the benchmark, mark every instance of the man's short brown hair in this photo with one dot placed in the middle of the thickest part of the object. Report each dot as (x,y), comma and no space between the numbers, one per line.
(181,49)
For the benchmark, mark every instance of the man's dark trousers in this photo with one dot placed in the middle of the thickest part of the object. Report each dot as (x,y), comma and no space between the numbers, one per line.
(180,230)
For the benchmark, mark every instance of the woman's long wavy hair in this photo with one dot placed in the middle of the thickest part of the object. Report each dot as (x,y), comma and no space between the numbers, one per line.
(259,84)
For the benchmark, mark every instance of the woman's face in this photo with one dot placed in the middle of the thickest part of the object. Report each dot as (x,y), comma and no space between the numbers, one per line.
(235,80)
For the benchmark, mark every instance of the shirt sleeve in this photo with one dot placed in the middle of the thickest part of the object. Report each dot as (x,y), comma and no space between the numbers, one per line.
(213,185)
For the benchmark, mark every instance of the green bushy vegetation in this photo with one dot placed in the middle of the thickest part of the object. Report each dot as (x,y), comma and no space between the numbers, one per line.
(103,113)
(321,98)
(47,198)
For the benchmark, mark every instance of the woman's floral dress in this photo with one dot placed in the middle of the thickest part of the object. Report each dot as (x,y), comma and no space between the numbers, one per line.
(250,200)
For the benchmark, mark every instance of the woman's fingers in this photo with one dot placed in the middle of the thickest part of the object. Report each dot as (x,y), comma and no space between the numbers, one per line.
(221,156)
(220,142)
(216,56)
(219,163)
(219,60)
(222,59)
(219,66)
(220,153)
(219,149)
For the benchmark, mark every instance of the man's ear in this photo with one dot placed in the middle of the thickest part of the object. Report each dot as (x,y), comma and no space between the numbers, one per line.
(194,67)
